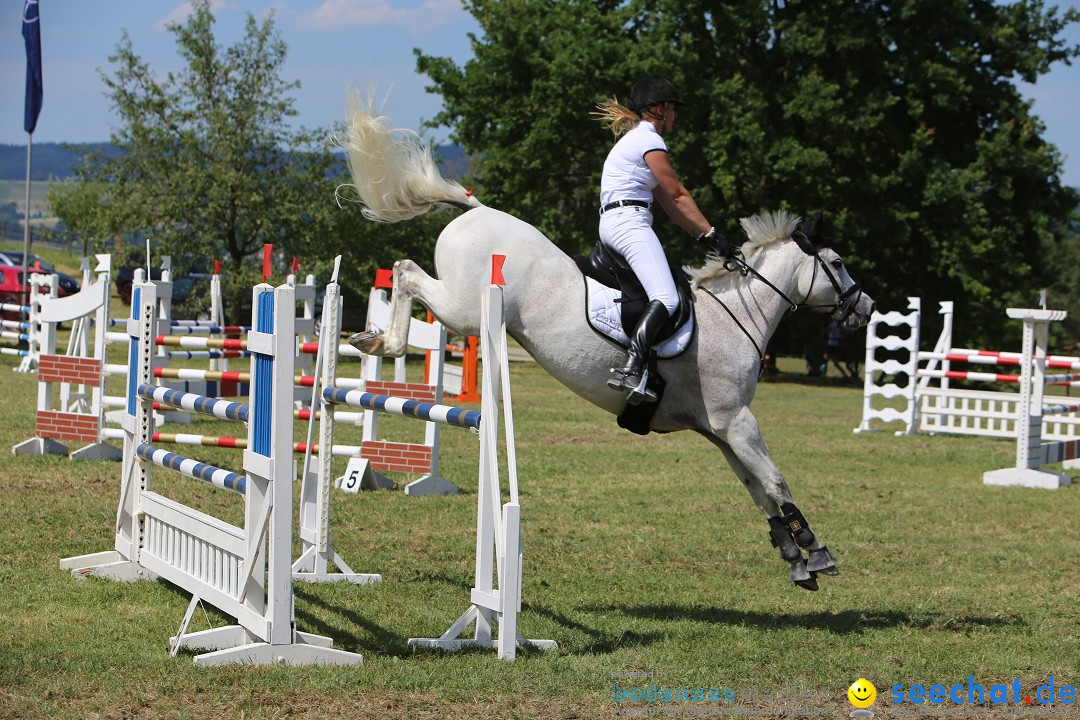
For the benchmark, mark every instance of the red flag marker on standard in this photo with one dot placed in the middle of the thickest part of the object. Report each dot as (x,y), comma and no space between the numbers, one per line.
(267,251)
(295,265)
(497,270)
(384,278)
(217,267)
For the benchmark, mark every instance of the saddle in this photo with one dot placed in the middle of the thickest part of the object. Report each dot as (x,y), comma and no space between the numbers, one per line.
(611,270)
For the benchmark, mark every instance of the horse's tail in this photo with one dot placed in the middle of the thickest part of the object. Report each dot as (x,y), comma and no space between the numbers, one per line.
(394,176)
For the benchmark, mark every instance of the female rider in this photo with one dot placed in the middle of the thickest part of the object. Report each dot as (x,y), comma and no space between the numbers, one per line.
(638,173)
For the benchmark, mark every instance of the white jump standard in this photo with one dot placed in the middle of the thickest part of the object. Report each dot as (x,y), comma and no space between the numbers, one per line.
(498,532)
(1031,452)
(244,571)
(1044,432)
(498,525)
(318,561)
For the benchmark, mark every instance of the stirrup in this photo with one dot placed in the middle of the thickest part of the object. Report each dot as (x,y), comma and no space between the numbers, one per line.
(641,393)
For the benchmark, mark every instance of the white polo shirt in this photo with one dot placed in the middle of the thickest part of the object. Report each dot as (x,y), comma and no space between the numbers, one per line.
(626,176)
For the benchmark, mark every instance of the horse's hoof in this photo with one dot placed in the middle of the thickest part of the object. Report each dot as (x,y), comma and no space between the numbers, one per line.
(363,341)
(801,576)
(822,561)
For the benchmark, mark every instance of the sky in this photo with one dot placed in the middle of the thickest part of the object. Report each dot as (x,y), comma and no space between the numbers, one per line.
(332,45)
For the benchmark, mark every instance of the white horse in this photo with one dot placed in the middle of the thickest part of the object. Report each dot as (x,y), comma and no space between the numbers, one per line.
(709,386)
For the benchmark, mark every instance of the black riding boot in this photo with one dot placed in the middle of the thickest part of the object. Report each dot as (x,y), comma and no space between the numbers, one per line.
(634,375)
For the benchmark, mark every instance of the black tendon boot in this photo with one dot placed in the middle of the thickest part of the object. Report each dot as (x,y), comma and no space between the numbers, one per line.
(634,375)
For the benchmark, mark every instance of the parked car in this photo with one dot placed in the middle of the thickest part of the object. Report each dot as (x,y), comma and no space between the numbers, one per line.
(68,284)
(12,290)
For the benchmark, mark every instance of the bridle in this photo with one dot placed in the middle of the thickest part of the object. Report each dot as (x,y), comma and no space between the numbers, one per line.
(846,300)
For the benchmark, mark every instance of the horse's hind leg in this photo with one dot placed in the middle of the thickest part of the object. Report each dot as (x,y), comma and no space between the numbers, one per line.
(410,282)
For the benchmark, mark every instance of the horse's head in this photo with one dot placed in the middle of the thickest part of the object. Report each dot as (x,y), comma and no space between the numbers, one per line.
(827,287)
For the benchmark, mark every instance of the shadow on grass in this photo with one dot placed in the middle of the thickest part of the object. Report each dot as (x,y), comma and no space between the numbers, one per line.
(600,642)
(355,633)
(846,622)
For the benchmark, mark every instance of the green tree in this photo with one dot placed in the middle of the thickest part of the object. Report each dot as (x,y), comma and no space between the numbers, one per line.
(901,120)
(206,164)
(88,205)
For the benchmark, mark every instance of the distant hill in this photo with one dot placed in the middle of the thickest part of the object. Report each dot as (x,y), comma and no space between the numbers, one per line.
(54,161)
(49,160)
(453,162)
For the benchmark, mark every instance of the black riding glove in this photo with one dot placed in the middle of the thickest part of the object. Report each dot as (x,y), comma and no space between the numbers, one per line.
(716,244)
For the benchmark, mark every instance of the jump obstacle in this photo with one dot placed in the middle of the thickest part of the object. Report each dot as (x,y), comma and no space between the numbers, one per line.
(496,594)
(27,328)
(498,529)
(70,387)
(915,390)
(374,453)
(196,340)
(79,378)
(224,565)
(377,453)
(244,571)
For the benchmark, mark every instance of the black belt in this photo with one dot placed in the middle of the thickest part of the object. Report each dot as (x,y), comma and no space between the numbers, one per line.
(624,203)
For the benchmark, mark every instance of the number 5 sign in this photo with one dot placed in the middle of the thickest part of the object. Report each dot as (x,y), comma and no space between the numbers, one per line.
(359,476)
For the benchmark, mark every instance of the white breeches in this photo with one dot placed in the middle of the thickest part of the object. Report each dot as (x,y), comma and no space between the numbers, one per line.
(628,231)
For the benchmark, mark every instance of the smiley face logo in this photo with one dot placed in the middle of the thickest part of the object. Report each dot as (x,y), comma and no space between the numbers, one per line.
(862,693)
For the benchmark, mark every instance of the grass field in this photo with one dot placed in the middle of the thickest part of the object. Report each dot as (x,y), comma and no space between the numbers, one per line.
(641,554)
(14,191)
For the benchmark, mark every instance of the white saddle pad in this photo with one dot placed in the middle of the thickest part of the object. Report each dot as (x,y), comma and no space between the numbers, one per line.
(604,315)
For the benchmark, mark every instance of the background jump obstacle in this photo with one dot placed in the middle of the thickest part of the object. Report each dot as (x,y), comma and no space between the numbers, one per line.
(904,384)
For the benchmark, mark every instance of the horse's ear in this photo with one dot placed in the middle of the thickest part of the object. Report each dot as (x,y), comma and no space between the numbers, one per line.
(806,236)
(804,243)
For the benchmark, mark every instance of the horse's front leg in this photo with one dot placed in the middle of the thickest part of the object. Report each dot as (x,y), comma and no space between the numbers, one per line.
(393,340)
(789,530)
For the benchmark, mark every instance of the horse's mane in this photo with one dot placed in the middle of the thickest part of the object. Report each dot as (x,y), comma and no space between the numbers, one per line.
(761,231)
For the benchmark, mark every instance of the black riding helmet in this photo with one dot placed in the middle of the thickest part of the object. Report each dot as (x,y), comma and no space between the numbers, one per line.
(652,90)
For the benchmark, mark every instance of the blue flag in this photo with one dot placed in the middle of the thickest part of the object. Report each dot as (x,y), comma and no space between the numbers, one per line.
(31,30)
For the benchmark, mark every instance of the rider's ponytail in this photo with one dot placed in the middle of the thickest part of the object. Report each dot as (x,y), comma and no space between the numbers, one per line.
(618,118)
